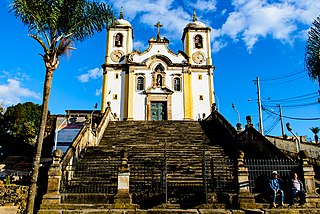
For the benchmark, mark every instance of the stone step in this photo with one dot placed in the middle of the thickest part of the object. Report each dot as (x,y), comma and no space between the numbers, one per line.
(149,143)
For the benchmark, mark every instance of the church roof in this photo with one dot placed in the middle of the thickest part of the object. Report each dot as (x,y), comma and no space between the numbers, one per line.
(195,23)
(122,22)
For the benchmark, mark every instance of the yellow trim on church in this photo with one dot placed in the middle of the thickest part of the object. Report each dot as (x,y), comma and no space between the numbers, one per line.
(187,96)
(104,92)
(210,80)
(130,95)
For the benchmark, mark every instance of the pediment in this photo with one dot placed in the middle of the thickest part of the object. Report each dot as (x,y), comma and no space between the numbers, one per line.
(158,51)
(158,90)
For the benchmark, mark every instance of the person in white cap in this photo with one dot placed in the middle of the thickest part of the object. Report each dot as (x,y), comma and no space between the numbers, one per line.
(275,186)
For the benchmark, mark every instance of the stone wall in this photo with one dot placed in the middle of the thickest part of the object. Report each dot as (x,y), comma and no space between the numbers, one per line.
(13,195)
(289,147)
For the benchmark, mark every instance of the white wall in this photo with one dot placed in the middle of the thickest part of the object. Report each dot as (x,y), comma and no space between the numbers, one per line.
(200,87)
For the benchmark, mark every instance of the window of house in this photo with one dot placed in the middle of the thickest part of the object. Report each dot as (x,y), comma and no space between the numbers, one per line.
(177,84)
(200,77)
(116,76)
(140,83)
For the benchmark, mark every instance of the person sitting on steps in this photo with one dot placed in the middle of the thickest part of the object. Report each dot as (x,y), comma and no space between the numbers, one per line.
(297,190)
(275,187)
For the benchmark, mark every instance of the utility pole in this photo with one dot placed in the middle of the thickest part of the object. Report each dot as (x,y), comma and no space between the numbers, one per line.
(281,120)
(257,81)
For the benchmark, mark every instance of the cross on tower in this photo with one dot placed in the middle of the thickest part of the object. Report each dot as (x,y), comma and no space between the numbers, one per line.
(158,25)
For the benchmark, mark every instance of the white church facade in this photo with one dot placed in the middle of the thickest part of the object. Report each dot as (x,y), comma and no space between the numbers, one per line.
(158,84)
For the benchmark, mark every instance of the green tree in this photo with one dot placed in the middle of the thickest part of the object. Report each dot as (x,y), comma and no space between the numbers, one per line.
(22,121)
(55,25)
(313,51)
(315,131)
(19,126)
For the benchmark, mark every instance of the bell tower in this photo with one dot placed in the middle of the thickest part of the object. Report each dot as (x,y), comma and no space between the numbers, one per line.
(118,46)
(198,78)
(119,41)
(196,42)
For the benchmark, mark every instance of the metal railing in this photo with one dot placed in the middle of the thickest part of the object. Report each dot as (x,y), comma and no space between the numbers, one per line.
(90,178)
(147,181)
(261,169)
(218,175)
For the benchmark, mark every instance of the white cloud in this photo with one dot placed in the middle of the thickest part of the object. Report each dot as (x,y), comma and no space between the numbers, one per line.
(148,12)
(224,11)
(13,93)
(91,74)
(138,45)
(283,20)
(218,45)
(98,92)
(202,5)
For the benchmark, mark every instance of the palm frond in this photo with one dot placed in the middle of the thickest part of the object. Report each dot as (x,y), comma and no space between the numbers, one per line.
(312,55)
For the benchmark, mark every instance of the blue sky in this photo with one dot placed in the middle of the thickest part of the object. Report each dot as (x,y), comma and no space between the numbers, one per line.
(250,38)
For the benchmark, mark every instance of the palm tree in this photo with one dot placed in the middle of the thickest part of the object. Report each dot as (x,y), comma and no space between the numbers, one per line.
(55,25)
(313,51)
(315,131)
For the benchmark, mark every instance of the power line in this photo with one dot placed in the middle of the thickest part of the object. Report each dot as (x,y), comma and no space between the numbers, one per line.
(293,118)
(292,98)
(294,106)
(284,76)
(278,83)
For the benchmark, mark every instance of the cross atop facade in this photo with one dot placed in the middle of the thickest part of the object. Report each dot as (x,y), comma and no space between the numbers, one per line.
(158,25)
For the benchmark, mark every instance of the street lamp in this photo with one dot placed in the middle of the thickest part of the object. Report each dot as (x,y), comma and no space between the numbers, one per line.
(56,132)
(234,108)
(298,141)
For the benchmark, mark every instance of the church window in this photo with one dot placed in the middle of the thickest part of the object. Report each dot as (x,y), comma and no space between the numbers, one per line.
(115,96)
(140,83)
(118,40)
(200,97)
(198,41)
(177,84)
(200,77)
(116,76)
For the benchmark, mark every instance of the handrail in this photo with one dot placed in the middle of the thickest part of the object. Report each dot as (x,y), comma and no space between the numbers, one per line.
(86,137)
(107,117)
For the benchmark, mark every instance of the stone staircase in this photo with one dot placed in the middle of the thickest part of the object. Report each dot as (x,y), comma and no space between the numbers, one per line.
(186,159)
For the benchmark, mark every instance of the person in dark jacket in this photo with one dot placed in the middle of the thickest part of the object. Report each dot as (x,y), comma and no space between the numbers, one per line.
(297,190)
(275,187)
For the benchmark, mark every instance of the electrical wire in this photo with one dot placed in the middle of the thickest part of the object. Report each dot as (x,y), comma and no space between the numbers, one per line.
(283,76)
(272,124)
(293,118)
(288,81)
(294,99)
(293,106)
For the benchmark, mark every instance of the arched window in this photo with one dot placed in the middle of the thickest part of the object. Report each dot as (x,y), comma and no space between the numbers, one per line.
(118,40)
(177,84)
(198,41)
(140,83)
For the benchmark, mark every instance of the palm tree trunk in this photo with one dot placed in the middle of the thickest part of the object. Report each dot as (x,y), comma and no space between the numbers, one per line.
(37,155)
